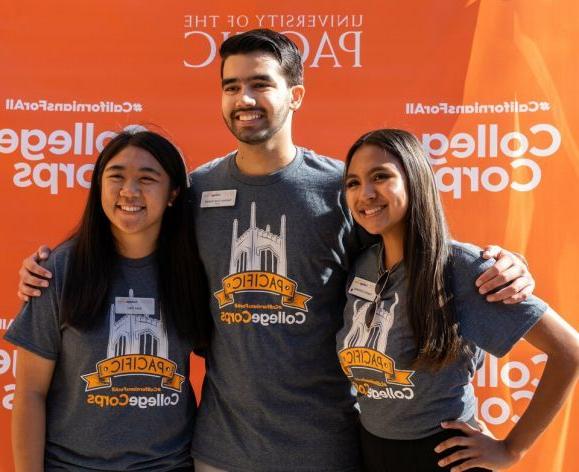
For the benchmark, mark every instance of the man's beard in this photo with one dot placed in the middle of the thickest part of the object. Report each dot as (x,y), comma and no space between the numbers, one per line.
(259,136)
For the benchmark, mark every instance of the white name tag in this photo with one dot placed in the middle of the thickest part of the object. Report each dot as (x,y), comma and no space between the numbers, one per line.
(134,306)
(363,288)
(218,198)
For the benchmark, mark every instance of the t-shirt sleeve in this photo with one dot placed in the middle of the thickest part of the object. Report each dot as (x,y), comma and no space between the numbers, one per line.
(37,327)
(494,327)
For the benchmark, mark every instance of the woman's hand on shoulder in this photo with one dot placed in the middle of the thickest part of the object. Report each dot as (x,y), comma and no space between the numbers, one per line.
(479,448)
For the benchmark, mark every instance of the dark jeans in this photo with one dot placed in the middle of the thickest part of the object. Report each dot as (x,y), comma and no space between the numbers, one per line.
(391,455)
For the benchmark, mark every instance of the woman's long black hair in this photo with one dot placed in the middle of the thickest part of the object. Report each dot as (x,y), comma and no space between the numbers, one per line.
(183,288)
(427,252)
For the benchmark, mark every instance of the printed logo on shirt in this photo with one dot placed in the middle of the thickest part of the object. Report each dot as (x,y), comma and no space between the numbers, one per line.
(363,357)
(258,263)
(138,346)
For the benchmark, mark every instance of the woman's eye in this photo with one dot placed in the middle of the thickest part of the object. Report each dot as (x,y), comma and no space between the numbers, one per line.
(351,183)
(381,176)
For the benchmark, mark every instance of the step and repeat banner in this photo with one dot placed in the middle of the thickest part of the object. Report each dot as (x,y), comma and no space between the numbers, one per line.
(489,88)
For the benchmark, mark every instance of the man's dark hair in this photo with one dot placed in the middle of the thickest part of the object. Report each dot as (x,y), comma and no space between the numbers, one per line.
(283,49)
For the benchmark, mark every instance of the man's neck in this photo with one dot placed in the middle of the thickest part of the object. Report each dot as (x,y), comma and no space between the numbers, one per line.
(264,158)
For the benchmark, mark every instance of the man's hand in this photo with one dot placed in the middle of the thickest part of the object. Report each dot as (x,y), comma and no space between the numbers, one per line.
(478,449)
(508,269)
(32,275)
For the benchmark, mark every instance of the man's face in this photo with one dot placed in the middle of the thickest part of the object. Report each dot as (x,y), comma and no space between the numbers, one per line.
(255,98)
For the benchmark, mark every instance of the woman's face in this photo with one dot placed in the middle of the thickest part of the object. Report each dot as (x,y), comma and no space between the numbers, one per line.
(376,191)
(135,191)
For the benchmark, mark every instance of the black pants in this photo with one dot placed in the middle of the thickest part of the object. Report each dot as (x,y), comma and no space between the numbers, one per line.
(390,455)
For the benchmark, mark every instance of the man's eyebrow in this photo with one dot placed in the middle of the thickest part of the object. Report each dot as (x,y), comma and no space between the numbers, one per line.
(263,77)
(225,82)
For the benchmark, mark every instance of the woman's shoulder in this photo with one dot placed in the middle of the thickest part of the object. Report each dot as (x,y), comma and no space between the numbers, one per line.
(465,265)
(59,256)
(466,251)
(467,257)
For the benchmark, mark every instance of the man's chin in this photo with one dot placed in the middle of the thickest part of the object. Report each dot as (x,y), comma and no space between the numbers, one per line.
(253,138)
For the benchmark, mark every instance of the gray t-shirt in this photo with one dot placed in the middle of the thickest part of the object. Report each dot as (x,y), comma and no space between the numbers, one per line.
(119,398)
(376,350)
(276,250)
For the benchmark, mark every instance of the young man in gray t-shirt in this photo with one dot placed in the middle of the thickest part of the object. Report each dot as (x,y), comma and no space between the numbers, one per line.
(277,243)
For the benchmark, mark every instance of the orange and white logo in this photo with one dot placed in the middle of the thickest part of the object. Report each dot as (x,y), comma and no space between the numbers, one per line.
(363,357)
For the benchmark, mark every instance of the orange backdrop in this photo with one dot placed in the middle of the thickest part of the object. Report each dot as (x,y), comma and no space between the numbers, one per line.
(489,87)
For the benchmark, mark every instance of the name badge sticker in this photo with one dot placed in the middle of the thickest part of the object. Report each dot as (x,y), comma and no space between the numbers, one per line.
(134,306)
(218,198)
(363,288)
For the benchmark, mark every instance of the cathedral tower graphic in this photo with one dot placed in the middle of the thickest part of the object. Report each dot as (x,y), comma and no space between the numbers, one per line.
(137,333)
(363,356)
(258,249)
(258,263)
(138,345)
(375,335)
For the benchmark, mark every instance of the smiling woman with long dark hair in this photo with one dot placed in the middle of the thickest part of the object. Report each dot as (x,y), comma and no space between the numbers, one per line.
(102,381)
(416,329)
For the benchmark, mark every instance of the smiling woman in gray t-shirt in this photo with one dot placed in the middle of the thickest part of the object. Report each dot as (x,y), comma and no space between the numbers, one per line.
(416,329)
(103,358)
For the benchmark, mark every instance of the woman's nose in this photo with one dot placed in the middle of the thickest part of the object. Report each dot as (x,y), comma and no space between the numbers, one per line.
(130,188)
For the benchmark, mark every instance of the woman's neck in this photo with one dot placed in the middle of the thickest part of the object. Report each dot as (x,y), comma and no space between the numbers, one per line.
(393,249)
(135,246)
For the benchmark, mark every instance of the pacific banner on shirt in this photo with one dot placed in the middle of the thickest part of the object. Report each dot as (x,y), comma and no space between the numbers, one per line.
(488,87)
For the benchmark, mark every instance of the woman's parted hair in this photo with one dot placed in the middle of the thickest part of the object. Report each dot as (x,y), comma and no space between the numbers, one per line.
(183,290)
(427,254)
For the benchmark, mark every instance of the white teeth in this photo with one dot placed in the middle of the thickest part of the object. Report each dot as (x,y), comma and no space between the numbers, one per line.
(372,211)
(248,116)
(130,208)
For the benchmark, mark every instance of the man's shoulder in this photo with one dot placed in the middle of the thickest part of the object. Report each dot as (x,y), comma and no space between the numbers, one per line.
(214,166)
(320,161)
(322,170)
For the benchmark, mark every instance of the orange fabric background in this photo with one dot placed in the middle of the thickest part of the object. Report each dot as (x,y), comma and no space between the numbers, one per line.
(360,75)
